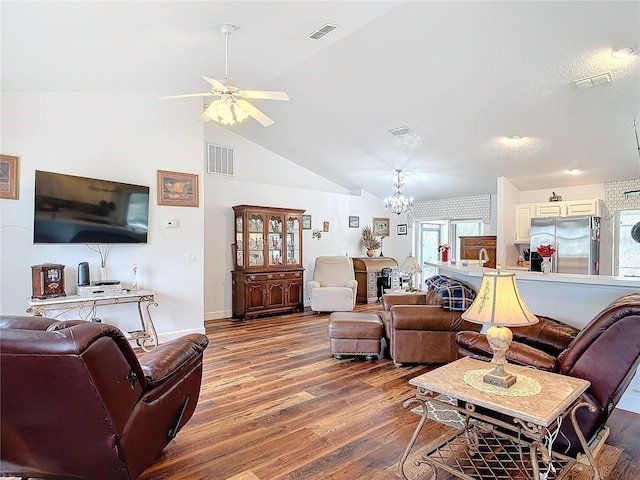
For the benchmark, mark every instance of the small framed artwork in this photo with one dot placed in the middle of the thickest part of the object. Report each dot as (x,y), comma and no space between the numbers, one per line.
(177,189)
(306,222)
(380,227)
(354,222)
(325,226)
(402,229)
(8,177)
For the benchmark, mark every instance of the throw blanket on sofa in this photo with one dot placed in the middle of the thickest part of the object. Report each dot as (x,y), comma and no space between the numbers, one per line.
(457,296)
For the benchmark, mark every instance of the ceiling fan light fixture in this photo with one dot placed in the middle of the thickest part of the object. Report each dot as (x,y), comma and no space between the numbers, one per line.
(225,111)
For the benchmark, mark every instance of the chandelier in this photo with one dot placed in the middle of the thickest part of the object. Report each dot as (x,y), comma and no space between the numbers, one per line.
(226,111)
(398,203)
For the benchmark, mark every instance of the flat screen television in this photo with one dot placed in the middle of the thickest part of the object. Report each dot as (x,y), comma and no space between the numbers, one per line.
(70,209)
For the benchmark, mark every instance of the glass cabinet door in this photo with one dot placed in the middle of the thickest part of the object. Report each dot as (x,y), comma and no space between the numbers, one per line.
(256,239)
(293,240)
(239,244)
(274,240)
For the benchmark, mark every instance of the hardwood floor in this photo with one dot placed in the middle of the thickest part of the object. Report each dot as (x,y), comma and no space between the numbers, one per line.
(275,404)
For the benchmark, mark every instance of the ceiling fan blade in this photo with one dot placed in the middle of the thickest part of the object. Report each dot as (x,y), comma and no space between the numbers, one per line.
(215,83)
(208,94)
(263,94)
(255,113)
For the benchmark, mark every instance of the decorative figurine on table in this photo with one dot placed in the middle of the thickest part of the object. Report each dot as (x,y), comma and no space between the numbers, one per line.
(443,248)
(546,252)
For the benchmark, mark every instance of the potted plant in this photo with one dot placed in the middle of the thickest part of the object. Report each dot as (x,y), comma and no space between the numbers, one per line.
(369,240)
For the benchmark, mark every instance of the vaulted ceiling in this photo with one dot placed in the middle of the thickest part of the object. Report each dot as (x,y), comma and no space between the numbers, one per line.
(462,76)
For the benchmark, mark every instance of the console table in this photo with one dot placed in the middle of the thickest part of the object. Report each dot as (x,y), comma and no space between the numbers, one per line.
(146,337)
(516,446)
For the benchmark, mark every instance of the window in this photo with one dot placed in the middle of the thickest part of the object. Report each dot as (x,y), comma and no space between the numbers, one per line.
(463,228)
(432,234)
(627,260)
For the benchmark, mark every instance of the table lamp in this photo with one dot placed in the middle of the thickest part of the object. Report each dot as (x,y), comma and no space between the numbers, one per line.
(499,305)
(410,266)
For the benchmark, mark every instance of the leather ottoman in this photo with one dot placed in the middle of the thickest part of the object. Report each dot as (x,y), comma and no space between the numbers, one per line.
(353,333)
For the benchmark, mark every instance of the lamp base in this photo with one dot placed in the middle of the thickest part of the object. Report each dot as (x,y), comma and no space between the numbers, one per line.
(499,378)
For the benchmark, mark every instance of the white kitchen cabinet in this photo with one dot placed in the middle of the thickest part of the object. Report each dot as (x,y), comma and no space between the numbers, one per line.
(584,207)
(522,214)
(551,209)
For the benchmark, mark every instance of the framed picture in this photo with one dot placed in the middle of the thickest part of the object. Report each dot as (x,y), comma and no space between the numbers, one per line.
(354,222)
(381,227)
(8,177)
(177,189)
(325,226)
(306,222)
(402,229)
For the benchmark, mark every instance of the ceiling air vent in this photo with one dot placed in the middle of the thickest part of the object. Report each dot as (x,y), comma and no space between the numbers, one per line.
(322,31)
(593,80)
(219,159)
(398,132)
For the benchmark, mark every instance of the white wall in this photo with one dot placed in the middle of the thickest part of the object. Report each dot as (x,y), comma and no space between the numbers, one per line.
(264,178)
(116,137)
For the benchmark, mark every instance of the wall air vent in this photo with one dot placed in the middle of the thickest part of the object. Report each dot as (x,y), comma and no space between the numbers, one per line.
(593,80)
(322,31)
(219,159)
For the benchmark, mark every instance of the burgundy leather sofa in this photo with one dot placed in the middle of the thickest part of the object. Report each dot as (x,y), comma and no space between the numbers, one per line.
(606,353)
(78,403)
(419,330)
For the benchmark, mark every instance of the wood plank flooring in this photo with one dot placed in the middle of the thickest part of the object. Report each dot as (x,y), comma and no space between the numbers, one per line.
(276,405)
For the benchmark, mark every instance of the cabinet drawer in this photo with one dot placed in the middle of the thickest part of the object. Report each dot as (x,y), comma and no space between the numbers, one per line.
(262,277)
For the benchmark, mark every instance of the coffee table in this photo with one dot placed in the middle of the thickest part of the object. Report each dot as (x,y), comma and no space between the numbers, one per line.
(508,433)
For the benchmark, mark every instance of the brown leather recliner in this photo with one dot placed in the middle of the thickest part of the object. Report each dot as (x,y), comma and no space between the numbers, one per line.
(419,330)
(606,353)
(77,402)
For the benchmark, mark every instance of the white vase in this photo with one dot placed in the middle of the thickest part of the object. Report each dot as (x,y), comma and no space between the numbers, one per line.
(103,274)
(545,266)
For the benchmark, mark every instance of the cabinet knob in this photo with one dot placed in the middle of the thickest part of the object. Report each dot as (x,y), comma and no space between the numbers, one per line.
(252,277)
(270,275)
(281,275)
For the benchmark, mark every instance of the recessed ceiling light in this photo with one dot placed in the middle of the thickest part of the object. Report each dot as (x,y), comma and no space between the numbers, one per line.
(624,51)
(515,137)
(575,171)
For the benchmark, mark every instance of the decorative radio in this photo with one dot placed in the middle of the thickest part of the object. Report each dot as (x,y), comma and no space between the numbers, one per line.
(47,281)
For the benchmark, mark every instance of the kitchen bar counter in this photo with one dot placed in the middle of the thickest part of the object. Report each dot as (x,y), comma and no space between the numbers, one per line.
(474,270)
(570,298)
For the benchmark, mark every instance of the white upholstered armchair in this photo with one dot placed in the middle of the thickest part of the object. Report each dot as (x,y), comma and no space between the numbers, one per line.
(334,287)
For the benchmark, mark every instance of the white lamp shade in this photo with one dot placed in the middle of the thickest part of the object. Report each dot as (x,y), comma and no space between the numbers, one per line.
(411,265)
(499,302)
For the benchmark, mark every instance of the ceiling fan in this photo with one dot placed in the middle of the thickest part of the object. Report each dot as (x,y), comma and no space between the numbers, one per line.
(232,107)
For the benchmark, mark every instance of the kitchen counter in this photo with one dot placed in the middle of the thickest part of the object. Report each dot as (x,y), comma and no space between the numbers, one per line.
(522,273)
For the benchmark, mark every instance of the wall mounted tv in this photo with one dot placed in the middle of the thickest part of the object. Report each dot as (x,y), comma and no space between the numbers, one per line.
(70,209)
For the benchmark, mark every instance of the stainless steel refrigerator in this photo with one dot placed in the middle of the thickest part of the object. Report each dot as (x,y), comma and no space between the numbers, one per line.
(577,243)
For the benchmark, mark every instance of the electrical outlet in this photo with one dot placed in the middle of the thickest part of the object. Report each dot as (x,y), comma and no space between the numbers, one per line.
(171,223)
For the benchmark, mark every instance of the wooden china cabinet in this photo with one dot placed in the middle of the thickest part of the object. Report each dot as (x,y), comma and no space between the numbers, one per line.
(268,274)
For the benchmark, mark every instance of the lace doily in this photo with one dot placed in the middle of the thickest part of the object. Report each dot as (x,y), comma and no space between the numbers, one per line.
(524,386)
